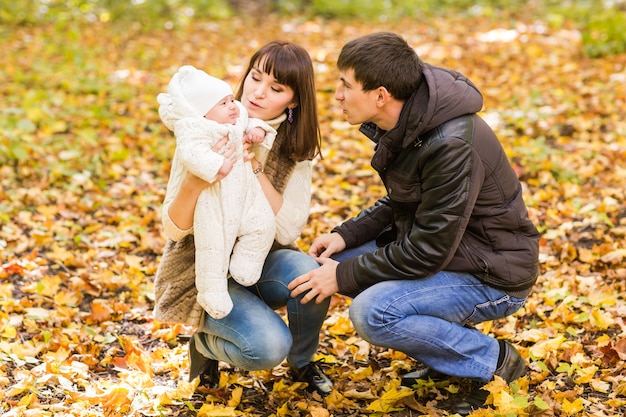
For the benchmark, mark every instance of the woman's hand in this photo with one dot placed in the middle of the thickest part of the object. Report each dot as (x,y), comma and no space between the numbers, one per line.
(226,167)
(228,152)
(247,155)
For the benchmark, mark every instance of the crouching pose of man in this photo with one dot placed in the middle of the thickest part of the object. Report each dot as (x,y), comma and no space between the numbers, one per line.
(451,244)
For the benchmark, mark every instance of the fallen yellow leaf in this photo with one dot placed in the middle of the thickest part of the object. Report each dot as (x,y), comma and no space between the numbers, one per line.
(387,402)
(571,408)
(541,349)
(585,374)
(319,412)
(235,397)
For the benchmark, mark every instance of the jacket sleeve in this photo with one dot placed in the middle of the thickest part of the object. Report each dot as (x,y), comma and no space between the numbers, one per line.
(451,178)
(367,225)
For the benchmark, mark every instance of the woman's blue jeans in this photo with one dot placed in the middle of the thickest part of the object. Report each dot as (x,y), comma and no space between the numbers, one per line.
(253,336)
(430,319)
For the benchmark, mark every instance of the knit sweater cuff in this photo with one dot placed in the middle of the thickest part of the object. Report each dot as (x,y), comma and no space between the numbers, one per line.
(171,231)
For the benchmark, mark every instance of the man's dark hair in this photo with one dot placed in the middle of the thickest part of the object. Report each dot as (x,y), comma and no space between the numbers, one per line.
(383,59)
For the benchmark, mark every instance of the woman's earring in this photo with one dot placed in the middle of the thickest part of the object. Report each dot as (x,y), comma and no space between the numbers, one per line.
(290,115)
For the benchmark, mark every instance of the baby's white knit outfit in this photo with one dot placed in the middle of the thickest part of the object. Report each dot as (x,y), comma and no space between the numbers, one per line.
(234,225)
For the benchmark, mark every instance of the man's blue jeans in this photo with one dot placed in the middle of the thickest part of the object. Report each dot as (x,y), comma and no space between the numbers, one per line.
(253,336)
(430,319)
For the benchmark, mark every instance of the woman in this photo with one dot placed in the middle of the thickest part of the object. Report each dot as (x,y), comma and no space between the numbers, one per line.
(278,88)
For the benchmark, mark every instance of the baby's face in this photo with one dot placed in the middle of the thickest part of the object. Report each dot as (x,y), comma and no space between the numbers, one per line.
(225,111)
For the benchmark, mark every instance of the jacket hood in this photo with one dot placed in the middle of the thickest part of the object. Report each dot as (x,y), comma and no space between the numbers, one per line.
(444,95)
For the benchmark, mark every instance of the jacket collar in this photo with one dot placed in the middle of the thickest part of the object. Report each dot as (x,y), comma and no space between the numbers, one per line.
(444,95)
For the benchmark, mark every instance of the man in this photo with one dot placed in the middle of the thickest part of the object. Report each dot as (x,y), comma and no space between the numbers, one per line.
(451,243)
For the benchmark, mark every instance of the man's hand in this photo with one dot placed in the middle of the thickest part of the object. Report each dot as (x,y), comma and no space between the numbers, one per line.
(320,282)
(326,245)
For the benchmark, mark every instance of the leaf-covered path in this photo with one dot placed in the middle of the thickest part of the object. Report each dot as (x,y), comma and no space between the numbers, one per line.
(84,166)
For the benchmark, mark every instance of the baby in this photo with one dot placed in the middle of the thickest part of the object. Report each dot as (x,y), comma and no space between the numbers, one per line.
(234,225)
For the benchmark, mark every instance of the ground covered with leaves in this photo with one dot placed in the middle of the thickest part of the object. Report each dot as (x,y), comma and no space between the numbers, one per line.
(84,166)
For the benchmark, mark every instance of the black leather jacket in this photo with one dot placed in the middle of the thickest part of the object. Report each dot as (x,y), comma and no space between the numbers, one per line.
(453,201)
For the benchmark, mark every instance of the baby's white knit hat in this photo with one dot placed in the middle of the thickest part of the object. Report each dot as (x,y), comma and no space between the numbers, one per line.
(201,90)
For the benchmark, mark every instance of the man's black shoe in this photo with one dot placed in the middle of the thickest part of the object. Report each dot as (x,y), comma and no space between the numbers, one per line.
(314,377)
(513,367)
(410,379)
(204,368)
(474,400)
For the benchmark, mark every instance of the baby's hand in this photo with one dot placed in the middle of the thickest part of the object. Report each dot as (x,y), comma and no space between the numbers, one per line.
(255,135)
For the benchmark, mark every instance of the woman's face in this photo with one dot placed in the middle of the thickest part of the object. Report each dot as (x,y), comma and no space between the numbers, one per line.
(263,96)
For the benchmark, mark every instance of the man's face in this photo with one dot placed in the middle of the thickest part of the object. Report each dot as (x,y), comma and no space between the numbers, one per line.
(359,106)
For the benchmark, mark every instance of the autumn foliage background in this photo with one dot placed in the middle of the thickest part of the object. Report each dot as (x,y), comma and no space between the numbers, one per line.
(85,162)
